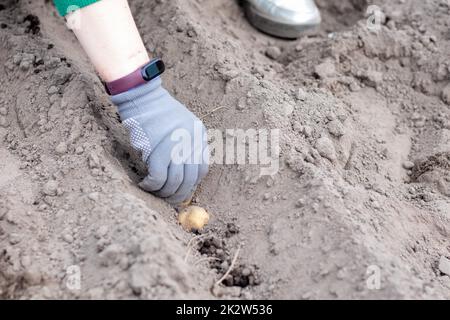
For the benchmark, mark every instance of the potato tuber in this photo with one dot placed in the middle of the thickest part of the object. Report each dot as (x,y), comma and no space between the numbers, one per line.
(193,218)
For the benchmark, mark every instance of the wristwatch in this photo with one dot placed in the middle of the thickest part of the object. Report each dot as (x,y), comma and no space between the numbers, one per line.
(144,74)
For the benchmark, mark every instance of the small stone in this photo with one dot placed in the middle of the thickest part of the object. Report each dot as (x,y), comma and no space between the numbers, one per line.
(419,124)
(3,111)
(354,87)
(52,90)
(137,280)
(51,188)
(301,94)
(273,52)
(26,261)
(25,65)
(444,265)
(445,95)
(427,197)
(11,218)
(52,62)
(300,203)
(191,33)
(14,238)
(67,238)
(224,265)
(326,149)
(179,28)
(408,165)
(416,116)
(62,75)
(17,59)
(94,160)
(216,242)
(124,263)
(336,128)
(232,229)
(61,148)
(94,196)
(307,131)
(325,70)
(376,204)
(374,78)
(101,232)
(242,104)
(220,253)
(246,272)
(79,150)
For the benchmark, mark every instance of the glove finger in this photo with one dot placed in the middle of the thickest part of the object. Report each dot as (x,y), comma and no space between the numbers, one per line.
(158,165)
(174,180)
(188,186)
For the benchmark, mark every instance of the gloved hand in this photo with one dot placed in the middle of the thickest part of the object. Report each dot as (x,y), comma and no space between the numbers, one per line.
(172,140)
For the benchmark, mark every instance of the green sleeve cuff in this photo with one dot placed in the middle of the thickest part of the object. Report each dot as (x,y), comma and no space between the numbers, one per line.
(66,6)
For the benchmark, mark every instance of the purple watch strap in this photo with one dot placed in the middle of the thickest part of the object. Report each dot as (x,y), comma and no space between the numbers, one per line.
(126,83)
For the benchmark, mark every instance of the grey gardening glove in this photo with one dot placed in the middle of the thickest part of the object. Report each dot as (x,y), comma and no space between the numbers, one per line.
(171,139)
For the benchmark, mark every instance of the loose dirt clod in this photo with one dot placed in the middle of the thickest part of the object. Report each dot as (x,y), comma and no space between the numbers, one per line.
(233,262)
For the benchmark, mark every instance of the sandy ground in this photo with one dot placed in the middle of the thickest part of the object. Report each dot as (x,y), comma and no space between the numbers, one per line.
(362,193)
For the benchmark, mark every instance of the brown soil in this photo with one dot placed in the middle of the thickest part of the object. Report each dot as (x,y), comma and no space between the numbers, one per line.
(364,177)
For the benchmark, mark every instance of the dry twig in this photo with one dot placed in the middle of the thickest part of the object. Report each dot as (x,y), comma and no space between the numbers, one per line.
(191,244)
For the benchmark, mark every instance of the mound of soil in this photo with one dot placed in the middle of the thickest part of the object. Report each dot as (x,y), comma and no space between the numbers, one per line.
(360,207)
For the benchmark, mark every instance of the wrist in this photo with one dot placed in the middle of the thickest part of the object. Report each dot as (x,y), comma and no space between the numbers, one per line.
(121,67)
(137,78)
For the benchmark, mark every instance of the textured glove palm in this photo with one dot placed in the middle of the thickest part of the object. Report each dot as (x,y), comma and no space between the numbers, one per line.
(171,139)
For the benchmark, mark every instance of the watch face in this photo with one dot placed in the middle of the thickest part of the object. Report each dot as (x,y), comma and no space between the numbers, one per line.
(153,70)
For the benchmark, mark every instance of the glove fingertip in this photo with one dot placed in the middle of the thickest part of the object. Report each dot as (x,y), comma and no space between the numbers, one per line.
(150,184)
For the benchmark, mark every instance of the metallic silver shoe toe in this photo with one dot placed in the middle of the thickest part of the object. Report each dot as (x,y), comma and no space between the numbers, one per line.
(283,18)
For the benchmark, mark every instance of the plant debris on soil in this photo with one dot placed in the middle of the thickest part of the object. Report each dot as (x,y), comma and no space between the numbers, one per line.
(363,184)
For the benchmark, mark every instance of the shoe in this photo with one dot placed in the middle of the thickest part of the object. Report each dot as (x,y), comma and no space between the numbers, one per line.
(283,18)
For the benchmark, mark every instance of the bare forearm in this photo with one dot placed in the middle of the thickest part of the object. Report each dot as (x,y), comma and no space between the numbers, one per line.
(108,34)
